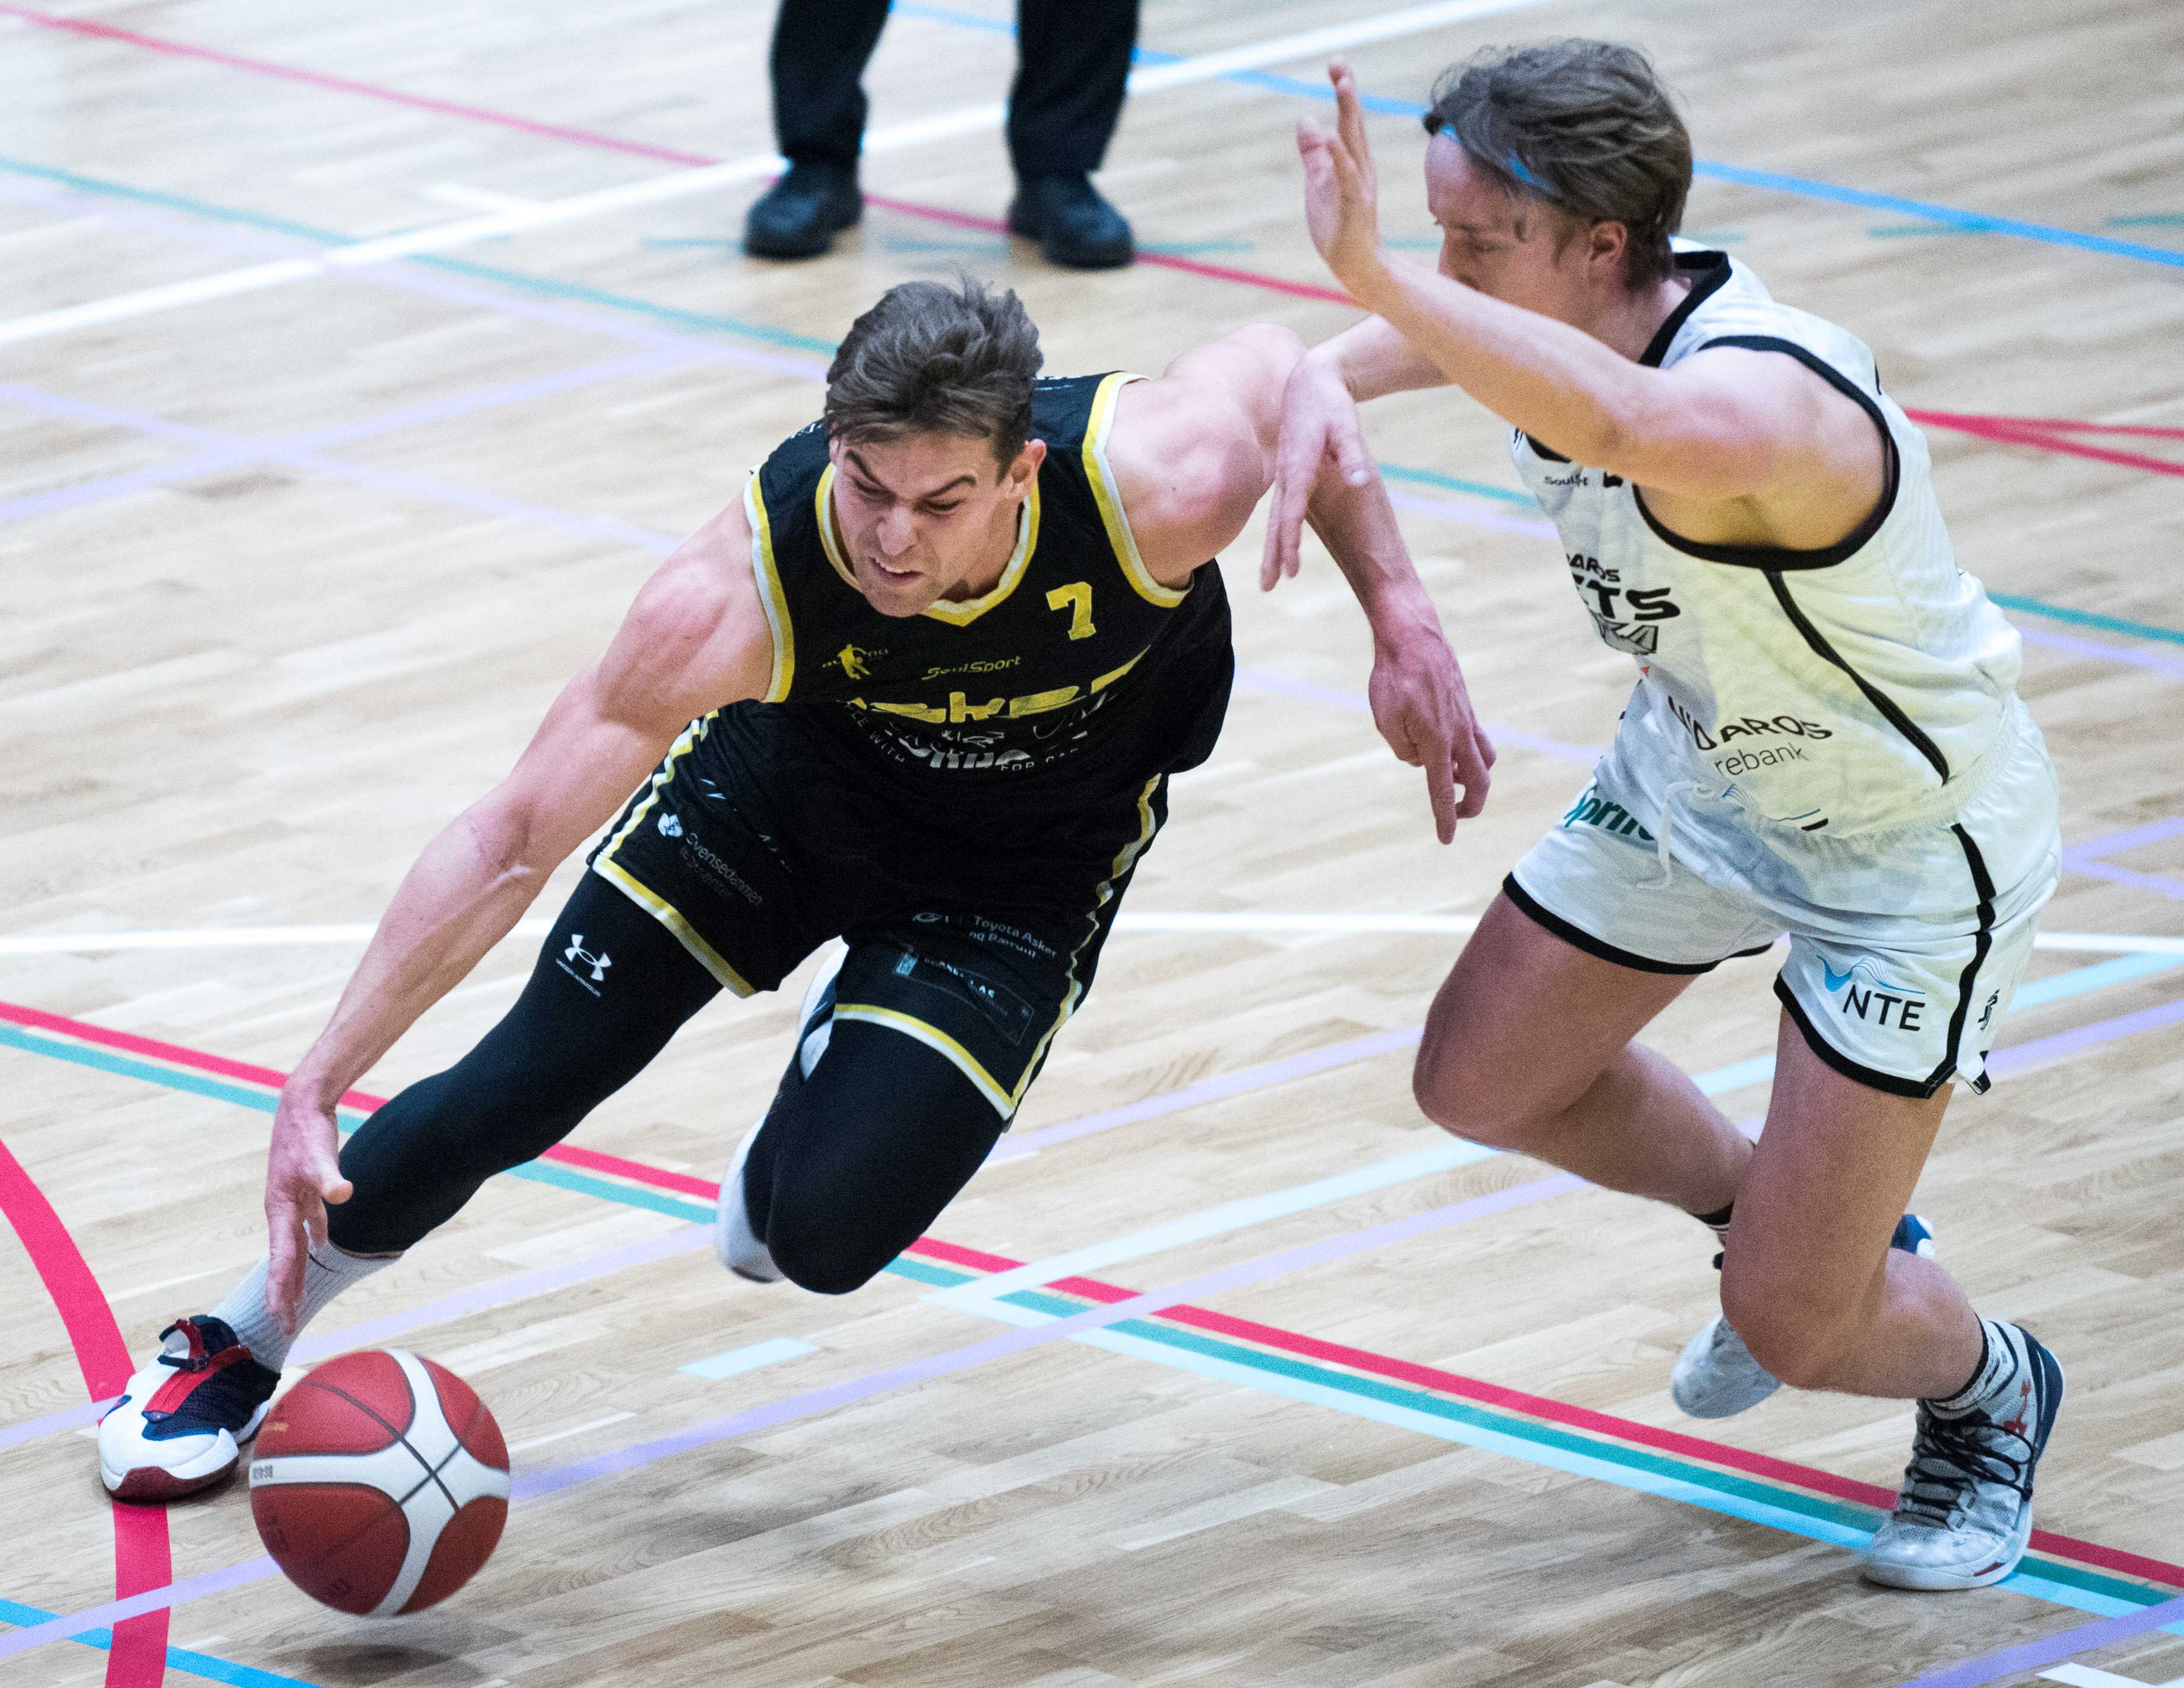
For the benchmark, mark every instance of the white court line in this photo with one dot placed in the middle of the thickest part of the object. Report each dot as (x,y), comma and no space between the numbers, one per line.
(1214,1222)
(1436,925)
(706,178)
(2085,1676)
(737,1361)
(467,198)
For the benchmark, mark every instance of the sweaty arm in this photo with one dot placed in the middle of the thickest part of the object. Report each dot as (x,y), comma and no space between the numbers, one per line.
(696,637)
(1194,452)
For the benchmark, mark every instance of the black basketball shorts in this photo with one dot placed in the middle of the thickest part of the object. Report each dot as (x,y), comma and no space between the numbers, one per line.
(974,924)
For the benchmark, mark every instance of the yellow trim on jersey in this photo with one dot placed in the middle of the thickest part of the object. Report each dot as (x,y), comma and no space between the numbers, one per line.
(691,734)
(823,503)
(771,596)
(956,615)
(1004,1101)
(1109,497)
(669,916)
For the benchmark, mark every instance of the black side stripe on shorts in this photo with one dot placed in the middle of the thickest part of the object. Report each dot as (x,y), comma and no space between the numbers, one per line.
(1890,710)
(1967,981)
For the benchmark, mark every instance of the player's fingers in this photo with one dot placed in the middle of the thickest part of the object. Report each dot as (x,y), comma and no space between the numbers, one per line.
(1441,786)
(1349,114)
(335,1188)
(1350,453)
(284,1270)
(1474,763)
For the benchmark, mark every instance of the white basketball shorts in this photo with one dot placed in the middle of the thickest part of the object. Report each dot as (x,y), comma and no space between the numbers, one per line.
(1906,943)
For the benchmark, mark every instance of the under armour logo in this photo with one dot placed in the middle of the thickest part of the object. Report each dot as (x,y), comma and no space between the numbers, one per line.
(670,826)
(577,952)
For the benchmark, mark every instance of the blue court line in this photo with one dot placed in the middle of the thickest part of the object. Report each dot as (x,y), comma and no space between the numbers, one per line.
(1803,187)
(716,323)
(264,1102)
(1434,478)
(737,1361)
(178,1658)
(2087,618)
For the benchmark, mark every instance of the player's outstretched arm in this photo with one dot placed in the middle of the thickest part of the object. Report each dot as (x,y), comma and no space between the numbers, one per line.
(1726,425)
(695,638)
(1195,451)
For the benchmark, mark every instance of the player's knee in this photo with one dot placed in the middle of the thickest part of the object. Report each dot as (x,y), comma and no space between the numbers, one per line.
(820,1248)
(1469,1098)
(1802,1341)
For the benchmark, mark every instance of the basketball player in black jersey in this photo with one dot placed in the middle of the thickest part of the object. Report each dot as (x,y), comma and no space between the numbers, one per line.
(921,688)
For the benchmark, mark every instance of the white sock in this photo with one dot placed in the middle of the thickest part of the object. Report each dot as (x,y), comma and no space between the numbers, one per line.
(328,1271)
(1998,1368)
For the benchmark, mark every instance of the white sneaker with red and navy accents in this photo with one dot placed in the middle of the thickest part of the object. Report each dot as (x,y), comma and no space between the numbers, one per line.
(180,1423)
(1964,1515)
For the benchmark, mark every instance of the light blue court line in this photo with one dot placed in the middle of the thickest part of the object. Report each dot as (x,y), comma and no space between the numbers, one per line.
(547,287)
(178,1658)
(2087,618)
(737,1361)
(1969,220)
(2158,219)
(1219,1222)
(693,240)
(726,324)
(264,1102)
(1434,478)
(1775,181)
(2056,987)
(1883,231)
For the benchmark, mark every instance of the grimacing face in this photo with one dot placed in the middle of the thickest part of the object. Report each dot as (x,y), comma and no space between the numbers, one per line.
(1512,248)
(927,516)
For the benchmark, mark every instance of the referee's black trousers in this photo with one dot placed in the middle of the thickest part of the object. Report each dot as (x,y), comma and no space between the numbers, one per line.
(1072,60)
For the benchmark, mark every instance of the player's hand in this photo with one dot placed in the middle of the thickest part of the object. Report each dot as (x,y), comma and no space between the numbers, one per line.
(1320,423)
(1341,189)
(302,1175)
(1423,710)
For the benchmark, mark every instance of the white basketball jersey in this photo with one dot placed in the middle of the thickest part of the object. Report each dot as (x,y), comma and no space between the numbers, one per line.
(1844,688)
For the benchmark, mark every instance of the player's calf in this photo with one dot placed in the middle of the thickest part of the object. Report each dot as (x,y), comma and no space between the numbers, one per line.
(1717,1376)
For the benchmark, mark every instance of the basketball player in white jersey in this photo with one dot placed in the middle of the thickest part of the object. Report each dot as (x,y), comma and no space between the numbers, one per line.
(1826,744)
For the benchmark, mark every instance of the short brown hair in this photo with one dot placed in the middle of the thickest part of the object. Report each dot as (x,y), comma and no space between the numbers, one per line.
(1585,127)
(930,358)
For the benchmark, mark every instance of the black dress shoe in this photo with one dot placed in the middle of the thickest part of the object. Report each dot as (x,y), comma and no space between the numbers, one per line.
(1073,225)
(799,216)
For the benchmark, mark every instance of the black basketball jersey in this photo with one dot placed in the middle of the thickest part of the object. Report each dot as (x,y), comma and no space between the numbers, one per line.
(1076,666)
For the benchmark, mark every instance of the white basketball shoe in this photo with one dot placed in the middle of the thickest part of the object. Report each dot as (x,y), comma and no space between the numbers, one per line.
(181,1421)
(1965,1514)
(1715,1377)
(735,1244)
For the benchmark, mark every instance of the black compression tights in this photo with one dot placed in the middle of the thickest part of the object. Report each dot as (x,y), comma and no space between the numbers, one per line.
(854,1164)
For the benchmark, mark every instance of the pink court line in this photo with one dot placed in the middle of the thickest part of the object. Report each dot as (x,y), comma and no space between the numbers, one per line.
(2041,433)
(809,1404)
(141,1556)
(701,350)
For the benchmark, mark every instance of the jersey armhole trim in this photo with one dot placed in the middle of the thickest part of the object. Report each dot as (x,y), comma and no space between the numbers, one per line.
(1109,497)
(1783,556)
(772,598)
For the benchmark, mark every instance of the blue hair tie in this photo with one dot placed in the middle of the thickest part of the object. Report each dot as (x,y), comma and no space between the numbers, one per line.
(1511,163)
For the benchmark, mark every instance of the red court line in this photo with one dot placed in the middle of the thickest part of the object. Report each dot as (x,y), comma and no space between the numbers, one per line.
(1562,1413)
(2037,432)
(141,1558)
(2006,430)
(1360,1359)
(2054,424)
(344,84)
